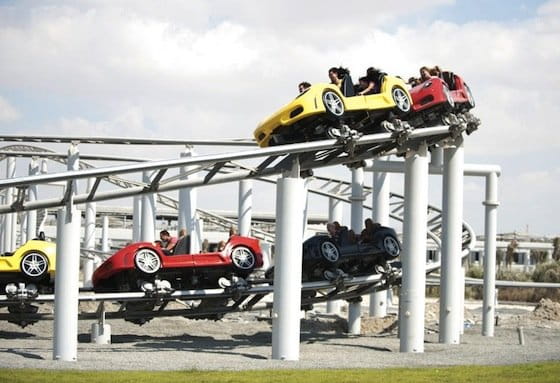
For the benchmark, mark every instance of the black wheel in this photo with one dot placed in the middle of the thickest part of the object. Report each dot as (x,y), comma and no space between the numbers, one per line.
(470,97)
(450,103)
(243,259)
(333,104)
(329,251)
(34,265)
(147,261)
(391,246)
(401,99)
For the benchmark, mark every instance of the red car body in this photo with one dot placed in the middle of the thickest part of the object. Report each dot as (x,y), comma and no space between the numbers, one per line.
(122,271)
(437,96)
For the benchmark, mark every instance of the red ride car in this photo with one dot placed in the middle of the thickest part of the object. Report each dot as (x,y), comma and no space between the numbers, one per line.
(434,98)
(128,268)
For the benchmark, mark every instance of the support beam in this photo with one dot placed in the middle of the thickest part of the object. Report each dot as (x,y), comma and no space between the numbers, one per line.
(187,206)
(32,196)
(380,213)
(451,244)
(89,237)
(148,227)
(245,207)
(105,234)
(136,218)
(10,218)
(490,228)
(287,272)
(65,341)
(413,297)
(357,217)
(335,215)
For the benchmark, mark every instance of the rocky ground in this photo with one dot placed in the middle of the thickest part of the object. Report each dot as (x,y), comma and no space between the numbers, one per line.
(243,341)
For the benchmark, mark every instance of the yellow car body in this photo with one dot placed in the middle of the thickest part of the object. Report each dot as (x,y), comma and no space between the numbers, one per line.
(308,109)
(34,260)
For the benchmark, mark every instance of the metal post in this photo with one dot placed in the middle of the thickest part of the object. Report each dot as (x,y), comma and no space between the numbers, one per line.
(462,301)
(65,341)
(413,297)
(245,207)
(490,224)
(335,214)
(136,218)
(357,208)
(287,274)
(32,196)
(187,207)
(305,205)
(451,244)
(89,237)
(105,234)
(23,228)
(380,213)
(148,227)
(10,218)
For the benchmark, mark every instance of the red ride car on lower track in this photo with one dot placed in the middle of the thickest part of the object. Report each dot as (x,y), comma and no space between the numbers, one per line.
(141,262)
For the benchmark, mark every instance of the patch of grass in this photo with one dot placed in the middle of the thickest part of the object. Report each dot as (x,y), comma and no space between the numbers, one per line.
(527,373)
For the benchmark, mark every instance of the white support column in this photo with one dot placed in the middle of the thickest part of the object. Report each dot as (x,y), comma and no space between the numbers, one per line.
(451,244)
(187,207)
(32,196)
(148,227)
(245,207)
(335,215)
(357,218)
(305,205)
(462,304)
(2,224)
(10,218)
(23,228)
(89,237)
(413,297)
(490,224)
(65,341)
(105,234)
(287,273)
(136,218)
(380,213)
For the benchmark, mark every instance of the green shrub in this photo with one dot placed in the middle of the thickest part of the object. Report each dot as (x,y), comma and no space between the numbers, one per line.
(547,272)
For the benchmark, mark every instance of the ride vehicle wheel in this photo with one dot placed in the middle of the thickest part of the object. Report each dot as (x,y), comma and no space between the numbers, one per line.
(243,259)
(450,103)
(34,265)
(333,104)
(402,101)
(391,246)
(470,97)
(329,251)
(147,261)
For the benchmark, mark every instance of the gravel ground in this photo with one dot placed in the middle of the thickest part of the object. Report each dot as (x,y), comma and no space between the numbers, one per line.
(243,341)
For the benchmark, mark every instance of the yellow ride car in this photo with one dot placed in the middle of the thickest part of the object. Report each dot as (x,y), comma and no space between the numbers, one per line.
(318,112)
(34,261)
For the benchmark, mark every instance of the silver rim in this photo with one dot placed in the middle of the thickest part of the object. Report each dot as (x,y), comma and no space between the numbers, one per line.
(401,99)
(470,97)
(34,264)
(333,103)
(329,251)
(450,100)
(391,246)
(147,261)
(243,258)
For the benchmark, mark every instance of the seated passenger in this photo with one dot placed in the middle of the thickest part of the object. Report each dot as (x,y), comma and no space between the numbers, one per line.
(367,234)
(413,81)
(336,75)
(375,76)
(167,241)
(331,229)
(435,71)
(425,74)
(303,86)
(183,245)
(365,86)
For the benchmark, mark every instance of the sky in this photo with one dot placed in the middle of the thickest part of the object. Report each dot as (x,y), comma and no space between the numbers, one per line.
(213,69)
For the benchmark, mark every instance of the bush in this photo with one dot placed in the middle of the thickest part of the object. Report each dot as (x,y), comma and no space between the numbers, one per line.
(547,272)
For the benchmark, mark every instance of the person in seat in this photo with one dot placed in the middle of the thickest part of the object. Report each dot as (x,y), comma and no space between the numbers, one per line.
(367,234)
(167,242)
(425,74)
(303,86)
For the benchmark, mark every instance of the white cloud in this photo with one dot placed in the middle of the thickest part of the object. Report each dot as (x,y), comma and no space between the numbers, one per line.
(8,112)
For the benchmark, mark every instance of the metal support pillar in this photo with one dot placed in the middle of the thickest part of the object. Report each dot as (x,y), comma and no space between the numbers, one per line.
(10,218)
(101,331)
(305,205)
(451,243)
(148,226)
(22,229)
(335,214)
(245,207)
(490,224)
(357,209)
(462,301)
(380,213)
(89,237)
(136,218)
(65,341)
(187,207)
(287,273)
(105,234)
(413,297)
(32,196)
